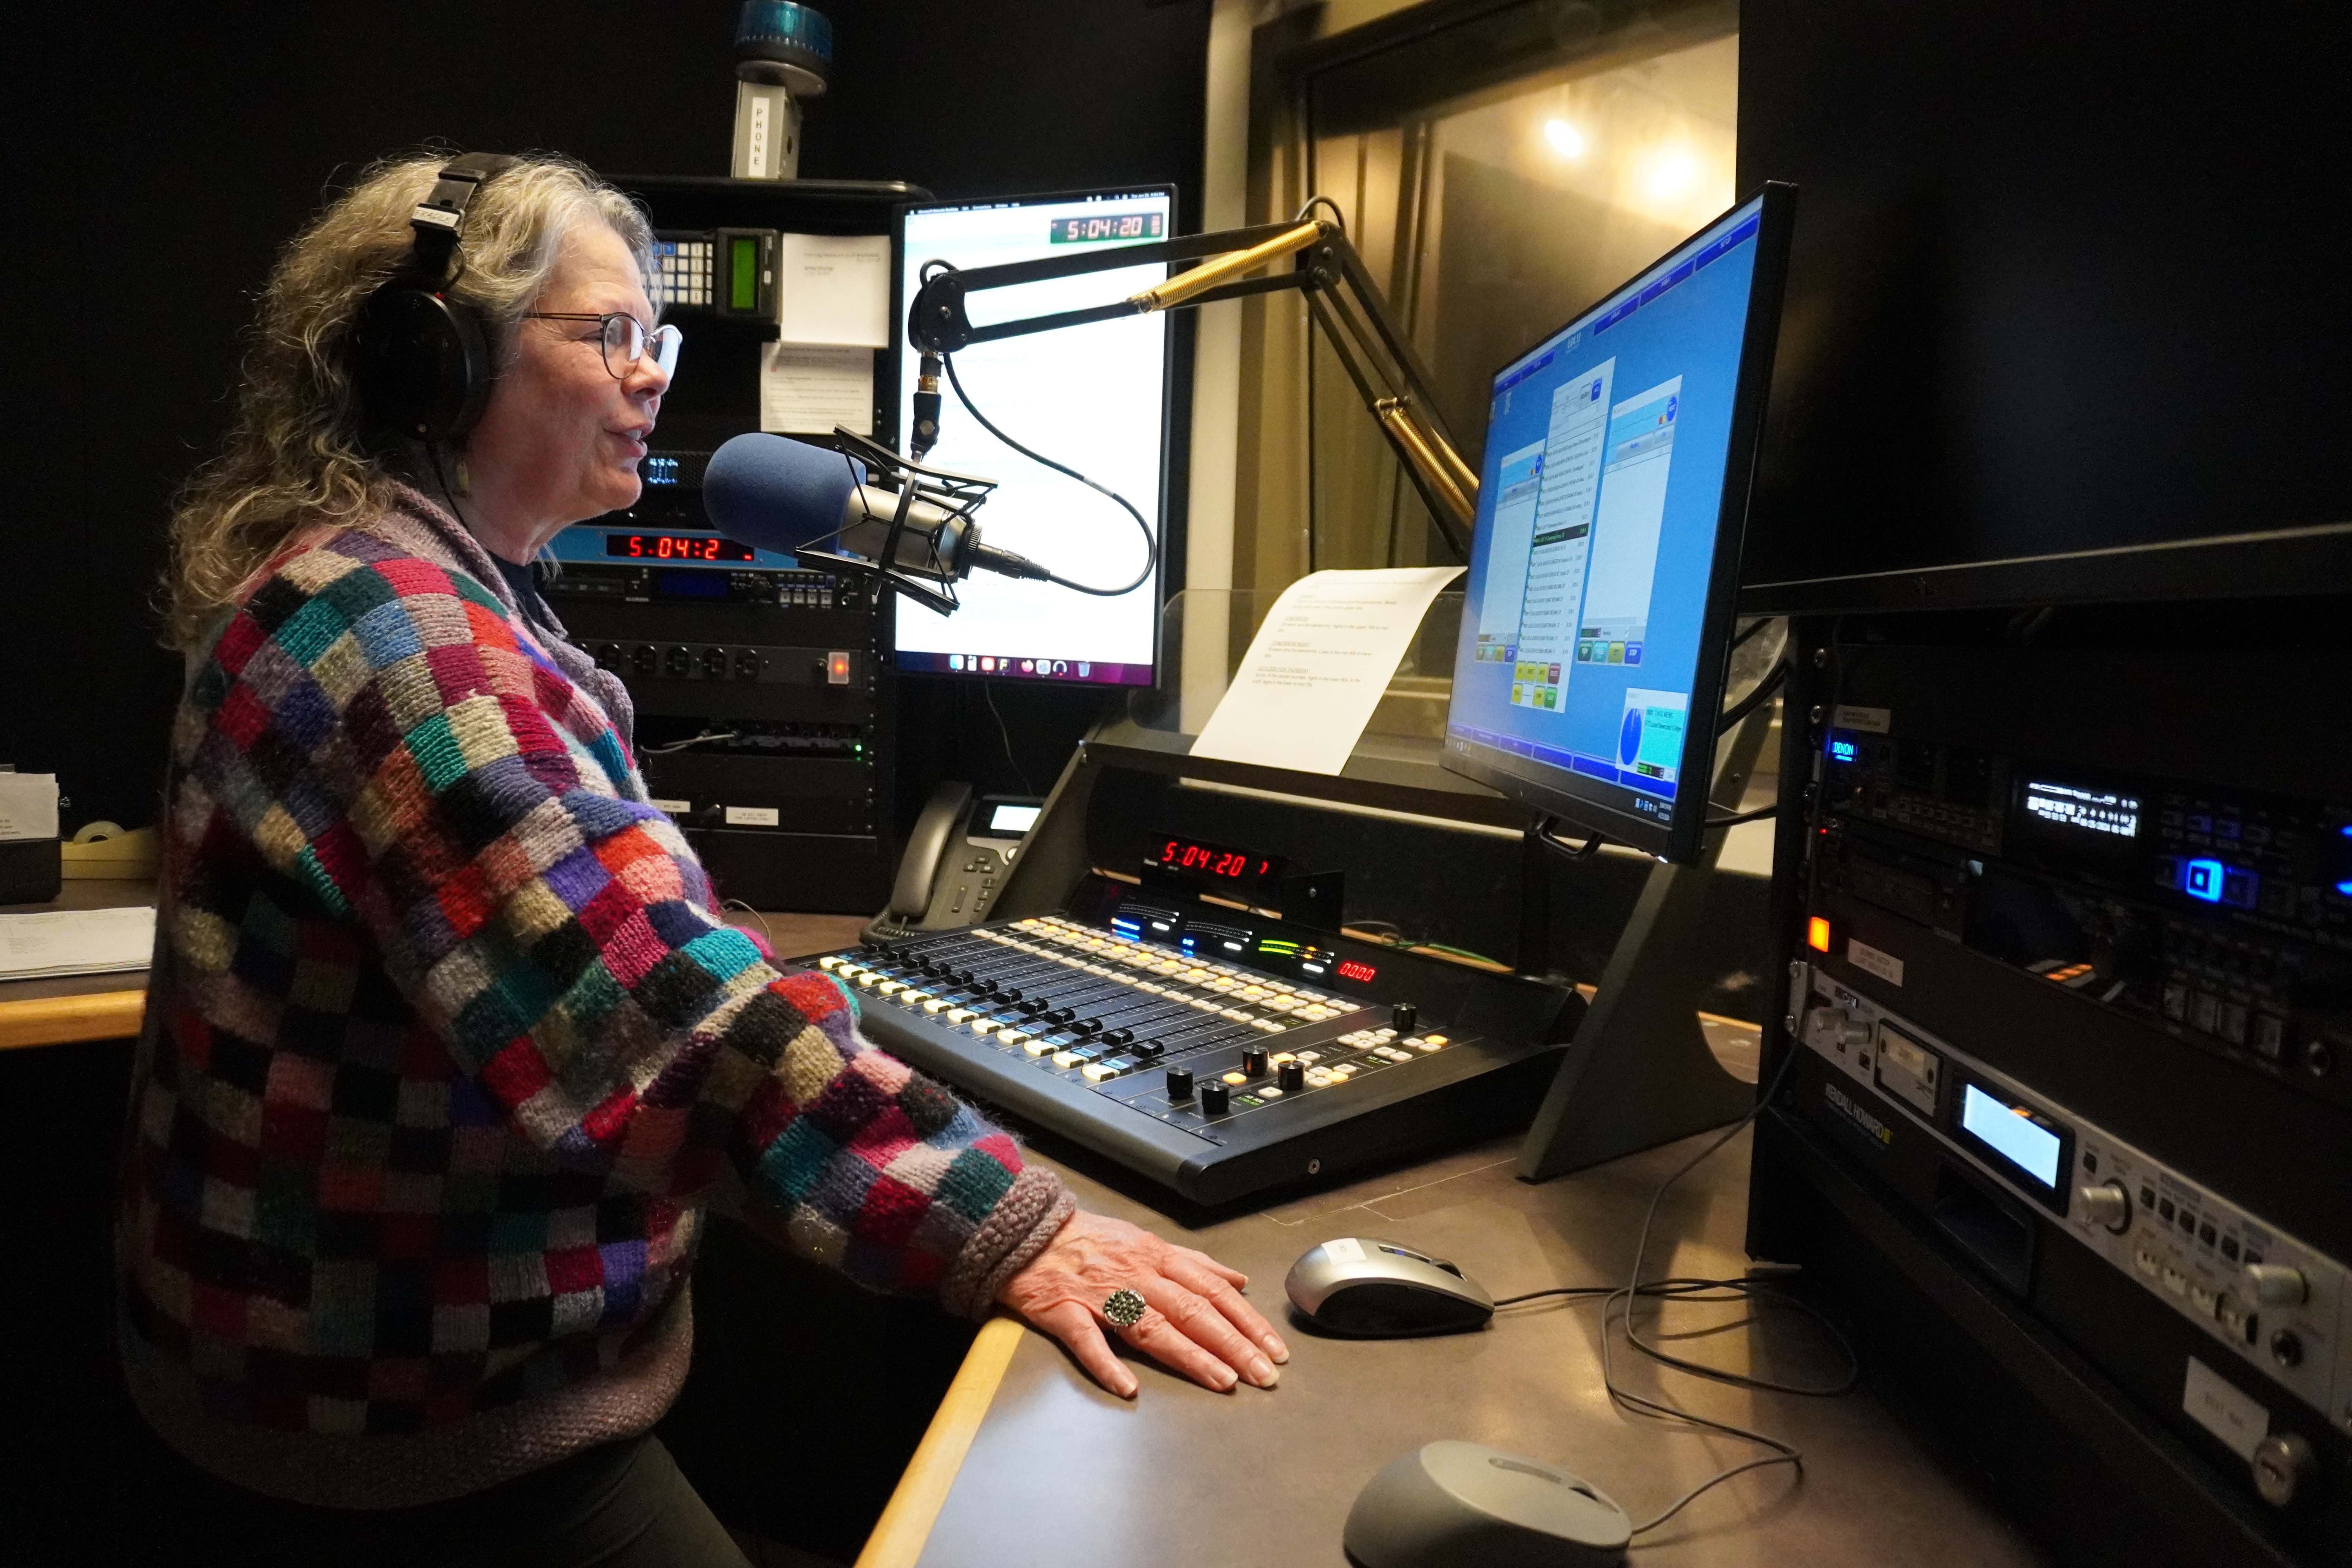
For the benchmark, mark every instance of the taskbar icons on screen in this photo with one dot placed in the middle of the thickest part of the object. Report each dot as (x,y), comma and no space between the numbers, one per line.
(1094,672)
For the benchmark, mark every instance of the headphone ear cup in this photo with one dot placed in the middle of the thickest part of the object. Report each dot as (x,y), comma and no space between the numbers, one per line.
(421,363)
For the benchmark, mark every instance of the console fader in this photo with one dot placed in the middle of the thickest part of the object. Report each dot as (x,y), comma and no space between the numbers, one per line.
(1220,1055)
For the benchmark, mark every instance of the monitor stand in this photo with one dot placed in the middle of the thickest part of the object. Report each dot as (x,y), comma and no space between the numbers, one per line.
(1639,1072)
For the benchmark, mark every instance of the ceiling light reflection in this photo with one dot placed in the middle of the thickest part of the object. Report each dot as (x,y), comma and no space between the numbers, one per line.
(1670,174)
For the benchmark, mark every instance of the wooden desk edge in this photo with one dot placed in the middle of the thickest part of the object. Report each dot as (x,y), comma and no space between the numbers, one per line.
(61,1020)
(905,1527)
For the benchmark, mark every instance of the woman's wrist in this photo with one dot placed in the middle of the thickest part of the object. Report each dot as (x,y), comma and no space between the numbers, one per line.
(1024,1221)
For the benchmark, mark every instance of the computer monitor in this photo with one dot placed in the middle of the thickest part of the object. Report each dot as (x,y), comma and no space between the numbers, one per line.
(1094,397)
(1619,451)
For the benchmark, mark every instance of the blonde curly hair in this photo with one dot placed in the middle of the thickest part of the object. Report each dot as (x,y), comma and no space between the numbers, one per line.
(297,452)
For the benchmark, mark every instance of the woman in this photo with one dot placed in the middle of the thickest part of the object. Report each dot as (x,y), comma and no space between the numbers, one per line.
(447,1045)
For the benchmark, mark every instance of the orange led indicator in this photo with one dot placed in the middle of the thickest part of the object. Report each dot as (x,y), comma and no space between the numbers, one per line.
(1817,934)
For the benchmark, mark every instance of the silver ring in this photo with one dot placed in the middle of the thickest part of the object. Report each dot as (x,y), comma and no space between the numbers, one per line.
(1124,1308)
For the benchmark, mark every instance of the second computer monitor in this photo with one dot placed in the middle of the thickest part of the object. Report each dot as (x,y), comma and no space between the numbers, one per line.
(1094,397)
(1613,496)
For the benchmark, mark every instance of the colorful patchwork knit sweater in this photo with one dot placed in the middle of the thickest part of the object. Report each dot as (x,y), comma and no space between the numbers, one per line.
(447,1047)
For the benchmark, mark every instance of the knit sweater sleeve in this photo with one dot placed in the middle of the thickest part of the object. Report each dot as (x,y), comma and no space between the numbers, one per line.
(375,728)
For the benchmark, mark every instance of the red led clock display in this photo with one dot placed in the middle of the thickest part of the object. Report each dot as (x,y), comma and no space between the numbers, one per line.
(675,547)
(1184,855)
(1349,969)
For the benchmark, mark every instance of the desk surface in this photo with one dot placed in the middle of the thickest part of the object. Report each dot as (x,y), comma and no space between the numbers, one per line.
(1183,1476)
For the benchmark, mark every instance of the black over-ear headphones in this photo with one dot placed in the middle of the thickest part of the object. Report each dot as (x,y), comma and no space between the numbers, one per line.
(422,360)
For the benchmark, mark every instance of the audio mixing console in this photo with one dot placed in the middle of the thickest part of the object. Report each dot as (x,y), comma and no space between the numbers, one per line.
(1220,1053)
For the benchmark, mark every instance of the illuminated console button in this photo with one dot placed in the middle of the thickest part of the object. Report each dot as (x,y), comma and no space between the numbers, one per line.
(892,987)
(1067,1058)
(1434,1043)
(829,961)
(1309,1058)
(1037,1048)
(1267,1091)
(934,1005)
(1280,1057)
(1011,1036)
(958,1015)
(1434,1039)
(1096,1072)
(1236,1077)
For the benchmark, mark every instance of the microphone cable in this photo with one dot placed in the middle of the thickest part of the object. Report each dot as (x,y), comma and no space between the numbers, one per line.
(1150,545)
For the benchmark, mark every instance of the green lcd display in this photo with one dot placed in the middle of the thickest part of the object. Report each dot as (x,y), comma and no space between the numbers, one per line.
(742,273)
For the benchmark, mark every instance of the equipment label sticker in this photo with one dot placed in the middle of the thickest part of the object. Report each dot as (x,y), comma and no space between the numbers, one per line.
(769,817)
(1346,1249)
(1868,959)
(2216,1405)
(675,808)
(1874,719)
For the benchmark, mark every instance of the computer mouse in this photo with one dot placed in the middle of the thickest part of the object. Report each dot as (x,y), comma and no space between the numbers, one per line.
(1453,1502)
(1377,1290)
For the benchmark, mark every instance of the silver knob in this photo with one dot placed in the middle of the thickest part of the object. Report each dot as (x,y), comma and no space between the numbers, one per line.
(2273,1284)
(2284,1466)
(1838,1027)
(2105,1204)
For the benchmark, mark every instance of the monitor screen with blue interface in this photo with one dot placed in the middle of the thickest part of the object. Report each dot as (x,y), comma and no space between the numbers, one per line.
(1093,396)
(1610,509)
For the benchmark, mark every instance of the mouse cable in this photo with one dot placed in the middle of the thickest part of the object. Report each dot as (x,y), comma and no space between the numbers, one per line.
(1150,544)
(1783,1453)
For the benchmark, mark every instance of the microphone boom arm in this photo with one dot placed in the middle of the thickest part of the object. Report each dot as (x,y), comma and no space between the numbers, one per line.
(1341,299)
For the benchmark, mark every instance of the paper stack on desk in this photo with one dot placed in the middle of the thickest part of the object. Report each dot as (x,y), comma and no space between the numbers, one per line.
(75,941)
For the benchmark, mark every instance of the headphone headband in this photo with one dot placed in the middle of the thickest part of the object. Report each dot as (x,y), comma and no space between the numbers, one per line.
(440,217)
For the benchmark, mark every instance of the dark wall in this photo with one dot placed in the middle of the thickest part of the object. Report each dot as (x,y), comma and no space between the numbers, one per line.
(2065,275)
(192,141)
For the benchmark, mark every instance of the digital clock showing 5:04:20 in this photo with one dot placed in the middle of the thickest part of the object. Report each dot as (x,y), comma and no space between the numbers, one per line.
(1095,226)
(1215,863)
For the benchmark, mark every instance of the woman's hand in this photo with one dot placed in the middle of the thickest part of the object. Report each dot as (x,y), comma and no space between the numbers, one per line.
(1194,1319)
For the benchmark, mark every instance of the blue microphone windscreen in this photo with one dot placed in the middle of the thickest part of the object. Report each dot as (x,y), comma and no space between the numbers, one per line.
(775,493)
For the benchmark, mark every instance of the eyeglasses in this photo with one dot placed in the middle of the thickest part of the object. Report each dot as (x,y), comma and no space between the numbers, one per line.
(625,340)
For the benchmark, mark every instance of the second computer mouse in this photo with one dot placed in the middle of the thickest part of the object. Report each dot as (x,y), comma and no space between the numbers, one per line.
(1451,1503)
(1377,1290)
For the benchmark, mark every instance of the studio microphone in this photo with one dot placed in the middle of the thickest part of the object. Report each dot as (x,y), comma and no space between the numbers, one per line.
(787,496)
